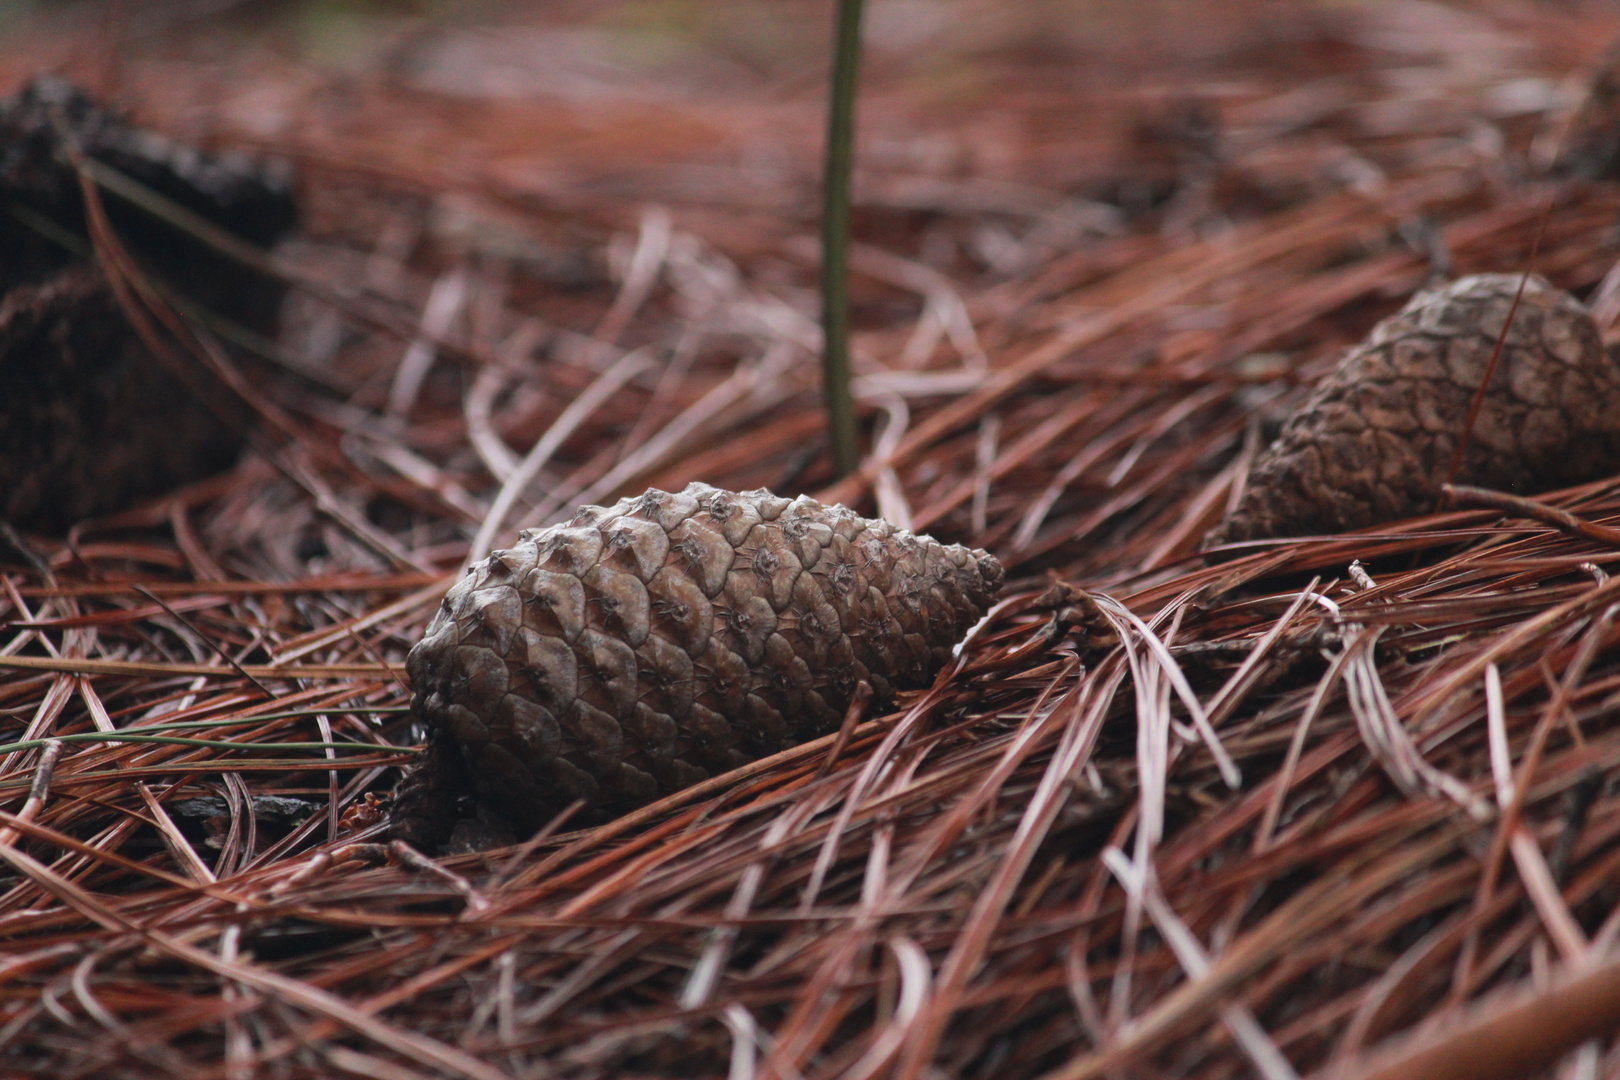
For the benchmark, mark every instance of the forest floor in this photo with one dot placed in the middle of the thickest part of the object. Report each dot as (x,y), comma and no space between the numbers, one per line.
(1329,799)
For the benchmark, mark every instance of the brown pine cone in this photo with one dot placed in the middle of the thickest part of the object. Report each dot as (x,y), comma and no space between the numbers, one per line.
(645,646)
(1374,442)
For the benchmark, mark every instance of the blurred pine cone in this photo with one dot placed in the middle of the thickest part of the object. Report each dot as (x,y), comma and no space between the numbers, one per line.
(1374,441)
(90,421)
(643,647)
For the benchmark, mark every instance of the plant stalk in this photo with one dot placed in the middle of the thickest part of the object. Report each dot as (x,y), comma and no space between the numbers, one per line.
(836,386)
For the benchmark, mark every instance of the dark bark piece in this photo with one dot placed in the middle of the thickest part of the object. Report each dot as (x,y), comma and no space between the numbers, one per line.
(1374,441)
(640,702)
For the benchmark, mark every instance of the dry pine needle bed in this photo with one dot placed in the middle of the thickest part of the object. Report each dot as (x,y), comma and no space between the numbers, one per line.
(1343,804)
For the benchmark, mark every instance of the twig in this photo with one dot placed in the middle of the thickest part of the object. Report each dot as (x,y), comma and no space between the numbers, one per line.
(1464,496)
(1510,1035)
(476,904)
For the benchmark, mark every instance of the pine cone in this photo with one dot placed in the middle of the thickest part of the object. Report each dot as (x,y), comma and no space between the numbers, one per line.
(90,421)
(1374,442)
(645,646)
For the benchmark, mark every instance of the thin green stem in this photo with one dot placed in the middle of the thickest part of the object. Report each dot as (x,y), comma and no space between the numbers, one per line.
(835,240)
